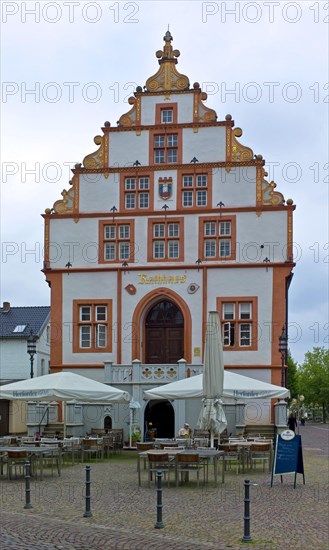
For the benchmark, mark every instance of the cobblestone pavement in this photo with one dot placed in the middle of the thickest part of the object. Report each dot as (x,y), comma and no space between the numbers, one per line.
(124,514)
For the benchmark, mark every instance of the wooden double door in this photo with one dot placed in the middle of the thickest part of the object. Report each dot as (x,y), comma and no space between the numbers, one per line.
(164,334)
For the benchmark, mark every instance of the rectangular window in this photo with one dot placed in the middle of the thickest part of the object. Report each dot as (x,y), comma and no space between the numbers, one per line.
(219,229)
(210,249)
(135,193)
(196,196)
(187,198)
(165,148)
(239,322)
(167,116)
(91,326)
(165,240)
(117,241)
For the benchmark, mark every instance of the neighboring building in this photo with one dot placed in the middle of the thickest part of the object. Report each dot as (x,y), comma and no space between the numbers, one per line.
(16,324)
(170,218)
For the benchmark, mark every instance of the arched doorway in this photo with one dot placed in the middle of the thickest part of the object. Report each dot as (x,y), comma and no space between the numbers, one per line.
(161,415)
(107,423)
(164,334)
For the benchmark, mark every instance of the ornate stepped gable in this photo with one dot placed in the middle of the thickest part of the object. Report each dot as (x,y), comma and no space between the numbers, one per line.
(165,81)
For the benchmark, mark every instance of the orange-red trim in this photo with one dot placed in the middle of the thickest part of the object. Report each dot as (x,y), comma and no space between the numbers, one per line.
(77,324)
(217,218)
(278,310)
(159,107)
(102,240)
(56,318)
(138,337)
(196,171)
(119,317)
(166,130)
(290,254)
(254,320)
(138,174)
(151,239)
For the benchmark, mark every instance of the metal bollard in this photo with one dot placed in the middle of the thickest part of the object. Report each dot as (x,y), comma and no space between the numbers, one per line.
(88,513)
(246,534)
(159,524)
(27,486)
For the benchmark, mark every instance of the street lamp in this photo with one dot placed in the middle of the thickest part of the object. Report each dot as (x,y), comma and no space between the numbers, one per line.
(283,348)
(31,349)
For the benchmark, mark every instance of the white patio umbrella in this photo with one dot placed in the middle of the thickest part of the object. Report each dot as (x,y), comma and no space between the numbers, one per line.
(236,386)
(63,386)
(212,416)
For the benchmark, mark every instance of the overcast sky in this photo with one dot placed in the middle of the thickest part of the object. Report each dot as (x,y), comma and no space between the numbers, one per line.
(67,67)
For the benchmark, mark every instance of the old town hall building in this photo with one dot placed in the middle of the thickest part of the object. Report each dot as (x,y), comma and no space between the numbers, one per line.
(169,218)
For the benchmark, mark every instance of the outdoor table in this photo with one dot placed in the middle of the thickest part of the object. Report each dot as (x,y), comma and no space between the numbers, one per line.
(37,455)
(243,449)
(211,455)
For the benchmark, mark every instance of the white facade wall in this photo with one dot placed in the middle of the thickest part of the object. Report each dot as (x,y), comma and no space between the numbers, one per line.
(245,282)
(235,188)
(99,194)
(184,111)
(86,286)
(268,229)
(127,147)
(207,145)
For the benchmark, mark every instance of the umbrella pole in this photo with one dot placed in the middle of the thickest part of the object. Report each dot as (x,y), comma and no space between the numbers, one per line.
(130,427)
(65,412)
(211,439)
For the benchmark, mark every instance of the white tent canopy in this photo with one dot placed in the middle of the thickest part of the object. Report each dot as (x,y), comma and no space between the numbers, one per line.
(63,386)
(236,386)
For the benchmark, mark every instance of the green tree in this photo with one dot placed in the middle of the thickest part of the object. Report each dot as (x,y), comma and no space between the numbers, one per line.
(313,379)
(291,377)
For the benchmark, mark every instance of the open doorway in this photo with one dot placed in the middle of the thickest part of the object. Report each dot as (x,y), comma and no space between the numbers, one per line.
(159,419)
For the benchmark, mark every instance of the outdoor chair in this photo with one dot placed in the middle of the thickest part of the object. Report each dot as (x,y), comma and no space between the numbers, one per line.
(159,462)
(16,462)
(231,454)
(145,446)
(92,448)
(186,464)
(260,453)
(163,445)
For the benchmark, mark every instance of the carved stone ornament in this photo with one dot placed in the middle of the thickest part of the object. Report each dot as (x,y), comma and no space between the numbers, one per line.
(269,196)
(131,289)
(167,78)
(65,206)
(98,158)
(239,153)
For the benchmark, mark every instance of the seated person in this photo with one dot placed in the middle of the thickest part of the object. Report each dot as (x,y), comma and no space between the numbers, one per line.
(185,431)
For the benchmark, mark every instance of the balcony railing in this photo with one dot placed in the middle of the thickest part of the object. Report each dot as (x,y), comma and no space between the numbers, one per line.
(139,373)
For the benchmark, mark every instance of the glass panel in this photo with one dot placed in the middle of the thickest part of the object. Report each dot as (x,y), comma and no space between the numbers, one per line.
(173,249)
(187,181)
(167,115)
(172,155)
(228,334)
(245,310)
(109,231)
(124,231)
(130,200)
(187,198)
(173,230)
(201,198)
(210,228)
(224,247)
(101,313)
(159,141)
(85,313)
(143,200)
(228,311)
(210,248)
(124,251)
(100,336)
(144,183)
(159,156)
(158,249)
(165,313)
(109,251)
(245,334)
(172,140)
(159,229)
(85,336)
(201,180)
(225,228)
(130,184)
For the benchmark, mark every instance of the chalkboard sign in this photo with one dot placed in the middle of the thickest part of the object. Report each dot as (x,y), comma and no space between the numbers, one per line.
(288,456)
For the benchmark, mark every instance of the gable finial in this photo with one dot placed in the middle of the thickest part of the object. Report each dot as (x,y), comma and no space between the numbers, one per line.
(167,78)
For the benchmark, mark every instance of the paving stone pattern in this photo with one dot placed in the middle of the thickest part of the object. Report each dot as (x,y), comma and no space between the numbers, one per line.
(124,515)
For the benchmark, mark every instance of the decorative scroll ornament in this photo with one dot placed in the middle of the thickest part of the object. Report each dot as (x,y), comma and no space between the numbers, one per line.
(202,113)
(167,78)
(269,196)
(65,206)
(96,159)
(131,118)
(239,153)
